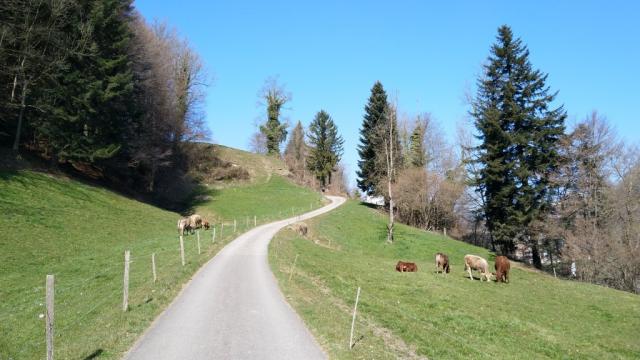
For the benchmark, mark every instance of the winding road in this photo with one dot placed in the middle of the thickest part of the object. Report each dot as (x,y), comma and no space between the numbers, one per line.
(233,309)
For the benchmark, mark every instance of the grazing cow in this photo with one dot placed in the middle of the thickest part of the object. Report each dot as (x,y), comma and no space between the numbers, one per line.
(183,225)
(205,225)
(402,266)
(502,269)
(301,228)
(442,261)
(473,262)
(195,222)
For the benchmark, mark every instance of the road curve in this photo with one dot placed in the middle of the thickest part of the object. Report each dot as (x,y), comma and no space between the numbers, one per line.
(233,309)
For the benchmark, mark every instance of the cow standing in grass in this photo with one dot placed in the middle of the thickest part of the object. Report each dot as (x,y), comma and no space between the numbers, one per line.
(442,261)
(183,225)
(502,269)
(195,222)
(474,262)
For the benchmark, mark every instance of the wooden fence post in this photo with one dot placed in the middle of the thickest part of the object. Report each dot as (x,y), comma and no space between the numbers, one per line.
(255,221)
(247,222)
(49,299)
(213,236)
(125,289)
(554,272)
(198,237)
(445,232)
(153,266)
(182,249)
(353,320)
(293,267)
(221,229)
(234,226)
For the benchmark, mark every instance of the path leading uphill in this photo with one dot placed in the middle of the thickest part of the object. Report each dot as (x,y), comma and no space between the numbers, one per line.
(233,308)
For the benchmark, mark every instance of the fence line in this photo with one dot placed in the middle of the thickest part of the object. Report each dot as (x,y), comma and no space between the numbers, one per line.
(104,281)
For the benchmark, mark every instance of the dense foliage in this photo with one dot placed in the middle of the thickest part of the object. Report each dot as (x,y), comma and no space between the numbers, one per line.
(90,85)
(326,147)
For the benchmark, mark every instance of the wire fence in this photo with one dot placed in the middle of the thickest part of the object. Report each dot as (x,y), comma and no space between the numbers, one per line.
(81,298)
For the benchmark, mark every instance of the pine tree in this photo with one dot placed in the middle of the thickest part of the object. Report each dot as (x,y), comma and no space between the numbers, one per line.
(326,147)
(417,154)
(519,142)
(376,112)
(95,104)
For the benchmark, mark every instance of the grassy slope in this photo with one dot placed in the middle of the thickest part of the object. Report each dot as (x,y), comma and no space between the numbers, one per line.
(79,233)
(535,316)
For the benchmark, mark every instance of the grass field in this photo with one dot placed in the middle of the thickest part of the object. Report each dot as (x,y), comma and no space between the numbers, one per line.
(412,315)
(79,233)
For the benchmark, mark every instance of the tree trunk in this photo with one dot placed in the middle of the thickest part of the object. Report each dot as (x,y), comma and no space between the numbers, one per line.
(391,219)
(16,142)
(390,174)
(535,256)
(152,178)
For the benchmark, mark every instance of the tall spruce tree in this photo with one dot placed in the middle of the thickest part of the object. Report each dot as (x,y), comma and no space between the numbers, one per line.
(519,137)
(326,147)
(376,113)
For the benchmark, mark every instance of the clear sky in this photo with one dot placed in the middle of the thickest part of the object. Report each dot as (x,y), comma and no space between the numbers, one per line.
(328,54)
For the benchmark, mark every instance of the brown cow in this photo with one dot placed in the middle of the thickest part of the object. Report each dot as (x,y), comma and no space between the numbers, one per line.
(474,262)
(502,269)
(410,267)
(442,260)
(402,266)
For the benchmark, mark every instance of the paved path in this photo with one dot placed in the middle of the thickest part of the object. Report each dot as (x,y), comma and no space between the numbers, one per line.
(233,309)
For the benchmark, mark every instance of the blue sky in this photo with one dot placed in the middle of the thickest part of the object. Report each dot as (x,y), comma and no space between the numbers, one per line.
(428,55)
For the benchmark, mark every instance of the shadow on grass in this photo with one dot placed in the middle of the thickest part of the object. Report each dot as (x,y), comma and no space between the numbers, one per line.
(357,341)
(199,195)
(94,355)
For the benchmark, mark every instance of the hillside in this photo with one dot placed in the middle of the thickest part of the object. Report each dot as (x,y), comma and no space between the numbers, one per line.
(260,168)
(79,232)
(411,315)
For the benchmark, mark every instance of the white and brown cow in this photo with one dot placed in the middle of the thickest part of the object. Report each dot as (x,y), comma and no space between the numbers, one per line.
(474,262)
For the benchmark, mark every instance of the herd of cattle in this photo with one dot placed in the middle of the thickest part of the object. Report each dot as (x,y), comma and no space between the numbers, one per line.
(471,262)
(191,223)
